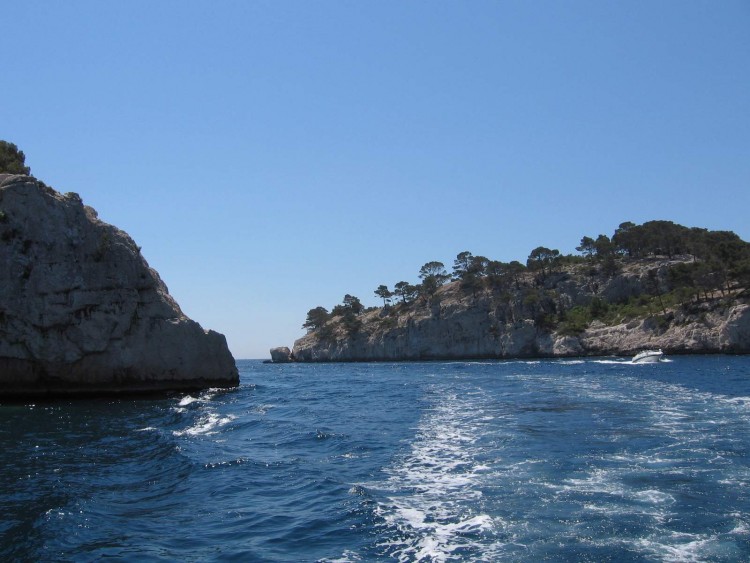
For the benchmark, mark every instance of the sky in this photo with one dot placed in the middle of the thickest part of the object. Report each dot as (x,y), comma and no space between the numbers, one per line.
(272,156)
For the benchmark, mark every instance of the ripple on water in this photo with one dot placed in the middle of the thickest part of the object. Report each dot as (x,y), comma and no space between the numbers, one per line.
(479,461)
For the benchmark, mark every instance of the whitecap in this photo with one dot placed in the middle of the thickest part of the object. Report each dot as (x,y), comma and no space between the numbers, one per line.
(263,409)
(652,496)
(205,425)
(741,528)
(186,400)
(346,557)
(740,401)
(675,549)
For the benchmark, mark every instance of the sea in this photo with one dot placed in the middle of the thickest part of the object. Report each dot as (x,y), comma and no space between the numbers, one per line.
(567,460)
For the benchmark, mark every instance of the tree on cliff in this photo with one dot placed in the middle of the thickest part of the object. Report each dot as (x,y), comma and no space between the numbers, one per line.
(471,270)
(543,258)
(728,255)
(661,238)
(626,239)
(12,160)
(599,248)
(351,306)
(405,291)
(467,265)
(384,293)
(433,276)
(498,275)
(349,312)
(316,318)
(587,247)
(462,264)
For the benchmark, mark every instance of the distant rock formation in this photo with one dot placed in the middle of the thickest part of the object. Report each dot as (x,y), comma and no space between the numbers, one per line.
(82,312)
(281,355)
(514,323)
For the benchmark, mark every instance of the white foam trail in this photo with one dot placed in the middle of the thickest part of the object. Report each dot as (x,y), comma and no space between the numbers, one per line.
(432,486)
(434,511)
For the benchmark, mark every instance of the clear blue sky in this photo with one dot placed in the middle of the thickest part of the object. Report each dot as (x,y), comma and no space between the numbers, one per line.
(272,156)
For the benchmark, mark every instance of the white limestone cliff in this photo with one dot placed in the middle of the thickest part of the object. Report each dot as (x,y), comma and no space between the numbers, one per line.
(81,310)
(459,326)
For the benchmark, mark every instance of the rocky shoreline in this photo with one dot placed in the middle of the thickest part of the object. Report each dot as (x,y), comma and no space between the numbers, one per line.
(454,325)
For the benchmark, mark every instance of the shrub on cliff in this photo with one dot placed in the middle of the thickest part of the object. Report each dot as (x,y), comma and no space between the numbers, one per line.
(12,160)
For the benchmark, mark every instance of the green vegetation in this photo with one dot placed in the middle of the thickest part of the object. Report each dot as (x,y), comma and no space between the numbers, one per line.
(316,318)
(405,291)
(544,260)
(385,294)
(676,269)
(12,160)
(349,311)
(433,276)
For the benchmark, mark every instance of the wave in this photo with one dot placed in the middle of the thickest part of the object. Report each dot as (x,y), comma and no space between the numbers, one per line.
(206,424)
(378,462)
(681,547)
(187,400)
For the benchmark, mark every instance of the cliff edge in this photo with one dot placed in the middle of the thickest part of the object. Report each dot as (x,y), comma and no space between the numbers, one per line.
(82,312)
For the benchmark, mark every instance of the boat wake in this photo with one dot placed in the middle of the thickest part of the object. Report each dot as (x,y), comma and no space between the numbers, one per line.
(630,362)
(433,490)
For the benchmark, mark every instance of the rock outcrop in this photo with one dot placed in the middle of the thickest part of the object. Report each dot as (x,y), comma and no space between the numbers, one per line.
(281,355)
(82,312)
(455,324)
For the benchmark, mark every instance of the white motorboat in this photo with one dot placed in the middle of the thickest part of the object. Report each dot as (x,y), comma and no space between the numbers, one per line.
(648,357)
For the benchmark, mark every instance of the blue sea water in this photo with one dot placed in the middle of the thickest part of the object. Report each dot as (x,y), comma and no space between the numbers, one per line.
(575,460)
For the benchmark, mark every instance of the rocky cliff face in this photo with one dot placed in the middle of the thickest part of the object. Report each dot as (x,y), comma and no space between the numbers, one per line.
(81,311)
(510,324)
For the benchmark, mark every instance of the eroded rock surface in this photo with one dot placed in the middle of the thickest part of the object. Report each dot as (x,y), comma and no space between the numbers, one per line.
(81,310)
